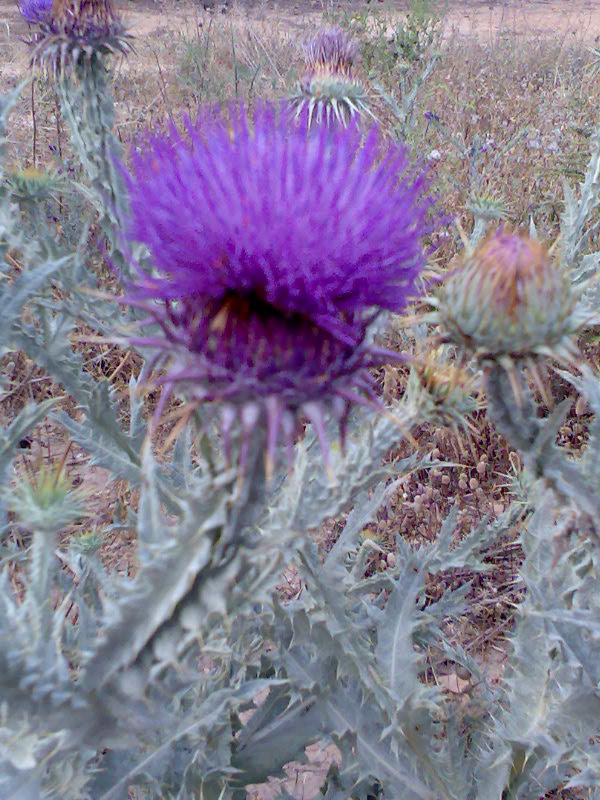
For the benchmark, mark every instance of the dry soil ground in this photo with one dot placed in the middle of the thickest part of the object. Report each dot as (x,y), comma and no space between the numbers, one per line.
(486,18)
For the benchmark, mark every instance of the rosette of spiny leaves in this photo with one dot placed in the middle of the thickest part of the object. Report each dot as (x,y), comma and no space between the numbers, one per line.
(273,253)
(65,33)
(329,89)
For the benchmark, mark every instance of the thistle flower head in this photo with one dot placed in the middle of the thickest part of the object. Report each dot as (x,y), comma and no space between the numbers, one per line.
(35,12)
(31,184)
(332,50)
(510,300)
(67,32)
(329,90)
(273,253)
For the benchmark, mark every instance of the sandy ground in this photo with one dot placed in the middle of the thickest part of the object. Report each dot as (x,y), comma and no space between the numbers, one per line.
(486,18)
(579,19)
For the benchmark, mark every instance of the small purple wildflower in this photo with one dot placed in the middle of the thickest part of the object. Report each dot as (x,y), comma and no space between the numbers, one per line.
(35,12)
(273,253)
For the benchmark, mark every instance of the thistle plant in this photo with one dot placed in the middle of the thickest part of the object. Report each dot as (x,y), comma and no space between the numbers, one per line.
(36,12)
(257,265)
(329,90)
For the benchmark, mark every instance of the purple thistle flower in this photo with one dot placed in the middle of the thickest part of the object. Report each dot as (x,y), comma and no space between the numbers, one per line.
(273,253)
(329,90)
(72,32)
(331,50)
(35,12)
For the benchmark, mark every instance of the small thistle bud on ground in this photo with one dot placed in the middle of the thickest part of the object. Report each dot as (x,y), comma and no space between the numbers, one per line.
(273,254)
(510,300)
(329,89)
(67,32)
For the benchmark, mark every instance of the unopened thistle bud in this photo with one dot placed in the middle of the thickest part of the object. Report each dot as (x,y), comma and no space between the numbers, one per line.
(510,300)
(442,391)
(329,90)
(30,184)
(47,501)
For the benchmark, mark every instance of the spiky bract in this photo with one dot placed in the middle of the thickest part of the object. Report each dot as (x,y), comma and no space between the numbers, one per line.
(273,254)
(510,300)
(329,89)
(74,31)
(31,184)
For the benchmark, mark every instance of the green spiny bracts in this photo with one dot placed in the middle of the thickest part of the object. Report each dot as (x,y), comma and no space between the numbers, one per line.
(31,184)
(509,301)
(443,391)
(329,90)
(47,501)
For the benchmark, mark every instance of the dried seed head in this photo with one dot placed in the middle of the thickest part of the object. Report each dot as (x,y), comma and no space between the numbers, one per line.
(510,300)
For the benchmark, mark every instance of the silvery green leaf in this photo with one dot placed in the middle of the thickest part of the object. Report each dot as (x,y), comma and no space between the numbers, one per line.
(310,496)
(395,652)
(15,295)
(276,733)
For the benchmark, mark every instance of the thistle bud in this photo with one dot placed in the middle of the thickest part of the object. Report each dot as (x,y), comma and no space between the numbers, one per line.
(329,90)
(47,501)
(510,300)
(443,392)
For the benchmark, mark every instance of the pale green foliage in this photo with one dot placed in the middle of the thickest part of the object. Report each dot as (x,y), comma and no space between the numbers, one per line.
(154,684)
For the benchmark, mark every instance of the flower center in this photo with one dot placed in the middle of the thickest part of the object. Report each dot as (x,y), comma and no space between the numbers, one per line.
(245,333)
